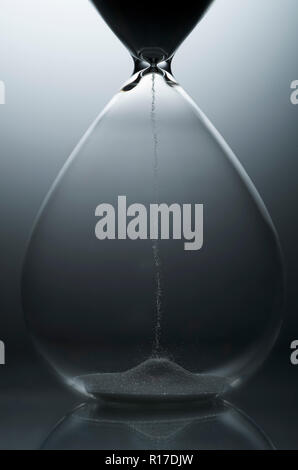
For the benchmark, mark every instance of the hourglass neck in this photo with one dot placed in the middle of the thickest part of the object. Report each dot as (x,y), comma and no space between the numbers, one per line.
(152,65)
(143,68)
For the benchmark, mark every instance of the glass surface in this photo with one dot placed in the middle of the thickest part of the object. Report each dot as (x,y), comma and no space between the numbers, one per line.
(154,271)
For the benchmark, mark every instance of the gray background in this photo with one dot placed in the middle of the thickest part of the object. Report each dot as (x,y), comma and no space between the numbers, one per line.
(61,65)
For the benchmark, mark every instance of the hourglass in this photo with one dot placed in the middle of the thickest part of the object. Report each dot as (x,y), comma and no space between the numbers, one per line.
(154,270)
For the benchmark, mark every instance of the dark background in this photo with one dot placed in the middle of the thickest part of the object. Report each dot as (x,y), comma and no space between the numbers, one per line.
(61,64)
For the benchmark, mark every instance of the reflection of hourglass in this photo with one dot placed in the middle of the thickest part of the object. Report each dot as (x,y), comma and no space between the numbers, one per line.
(154,270)
(216,427)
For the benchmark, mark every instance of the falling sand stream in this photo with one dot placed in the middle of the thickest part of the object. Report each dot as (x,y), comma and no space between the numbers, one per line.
(156,351)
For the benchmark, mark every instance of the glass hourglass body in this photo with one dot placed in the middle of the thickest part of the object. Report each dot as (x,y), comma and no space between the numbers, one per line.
(153,270)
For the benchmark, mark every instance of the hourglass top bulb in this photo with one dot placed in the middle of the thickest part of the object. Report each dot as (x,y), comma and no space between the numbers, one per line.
(154,31)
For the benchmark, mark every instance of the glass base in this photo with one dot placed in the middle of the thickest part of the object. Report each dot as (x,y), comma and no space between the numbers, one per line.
(154,380)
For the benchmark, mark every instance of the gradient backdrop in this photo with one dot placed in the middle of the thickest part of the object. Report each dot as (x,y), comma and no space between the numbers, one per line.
(61,64)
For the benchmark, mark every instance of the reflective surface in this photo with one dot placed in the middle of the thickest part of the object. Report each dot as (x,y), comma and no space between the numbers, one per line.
(218,426)
(29,414)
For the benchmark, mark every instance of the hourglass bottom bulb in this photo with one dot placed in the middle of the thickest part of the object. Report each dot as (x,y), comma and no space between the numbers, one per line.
(155,379)
(101,294)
